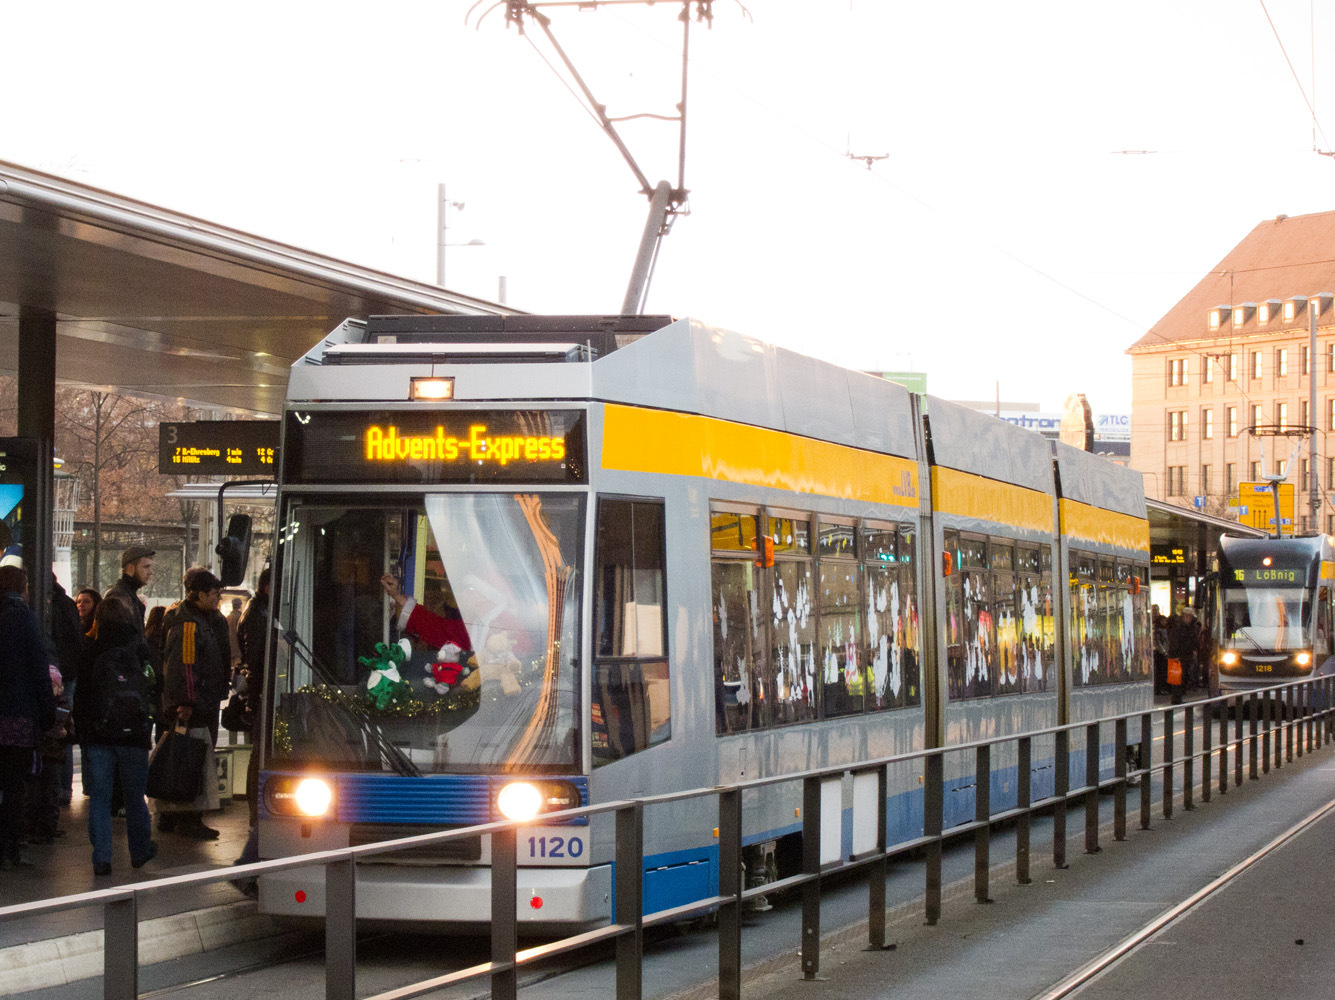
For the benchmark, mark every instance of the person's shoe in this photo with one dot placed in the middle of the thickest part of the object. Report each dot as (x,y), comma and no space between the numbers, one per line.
(198,831)
(101,869)
(152,853)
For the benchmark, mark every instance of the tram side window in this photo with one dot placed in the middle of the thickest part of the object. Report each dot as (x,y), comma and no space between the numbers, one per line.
(1035,628)
(1004,616)
(735,596)
(970,631)
(792,622)
(1085,630)
(1110,624)
(631,690)
(1322,633)
(1136,642)
(891,654)
(844,677)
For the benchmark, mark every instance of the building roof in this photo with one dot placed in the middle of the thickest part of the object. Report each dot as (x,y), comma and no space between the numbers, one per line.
(1279,259)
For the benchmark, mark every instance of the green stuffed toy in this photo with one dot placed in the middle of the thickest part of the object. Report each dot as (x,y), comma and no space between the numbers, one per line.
(385,687)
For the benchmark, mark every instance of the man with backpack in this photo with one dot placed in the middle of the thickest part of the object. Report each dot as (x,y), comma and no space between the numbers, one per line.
(113,720)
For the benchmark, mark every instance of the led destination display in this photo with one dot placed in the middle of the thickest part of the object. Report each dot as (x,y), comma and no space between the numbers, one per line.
(211,447)
(457,446)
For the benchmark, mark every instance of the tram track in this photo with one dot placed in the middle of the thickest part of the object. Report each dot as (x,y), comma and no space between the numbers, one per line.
(1087,974)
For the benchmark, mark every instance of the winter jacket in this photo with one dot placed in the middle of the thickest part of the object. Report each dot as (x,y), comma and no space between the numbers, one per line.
(127,590)
(27,703)
(197,666)
(116,648)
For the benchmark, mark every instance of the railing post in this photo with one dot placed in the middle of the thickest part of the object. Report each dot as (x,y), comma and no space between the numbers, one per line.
(1168,757)
(811,867)
(1237,740)
(1092,788)
(982,813)
(630,894)
(1253,724)
(1304,727)
(1286,706)
(1327,712)
(932,820)
(876,872)
(1119,771)
(1188,758)
(1062,782)
(1207,750)
(1265,705)
(340,929)
(504,919)
(120,949)
(1146,762)
(730,884)
(1024,796)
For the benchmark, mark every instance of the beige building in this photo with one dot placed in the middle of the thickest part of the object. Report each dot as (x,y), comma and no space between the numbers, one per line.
(1220,385)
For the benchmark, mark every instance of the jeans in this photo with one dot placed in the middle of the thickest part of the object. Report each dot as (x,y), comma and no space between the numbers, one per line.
(102,766)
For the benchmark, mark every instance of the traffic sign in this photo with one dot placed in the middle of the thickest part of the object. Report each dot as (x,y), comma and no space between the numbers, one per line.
(1257,504)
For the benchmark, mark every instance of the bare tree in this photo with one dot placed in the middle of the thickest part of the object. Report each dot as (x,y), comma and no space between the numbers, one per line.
(104,431)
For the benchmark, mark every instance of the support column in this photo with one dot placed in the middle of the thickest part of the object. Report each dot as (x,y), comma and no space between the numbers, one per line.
(37,420)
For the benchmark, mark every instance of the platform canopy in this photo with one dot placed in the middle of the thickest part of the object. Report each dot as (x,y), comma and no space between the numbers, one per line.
(153,303)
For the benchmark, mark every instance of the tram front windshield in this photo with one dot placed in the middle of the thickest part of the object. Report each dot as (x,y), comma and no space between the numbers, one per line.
(495,574)
(1265,618)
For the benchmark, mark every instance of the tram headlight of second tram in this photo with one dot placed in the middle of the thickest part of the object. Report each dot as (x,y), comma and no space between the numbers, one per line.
(293,795)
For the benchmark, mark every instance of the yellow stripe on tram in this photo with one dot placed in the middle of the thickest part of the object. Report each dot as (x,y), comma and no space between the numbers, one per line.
(967,495)
(682,444)
(1084,522)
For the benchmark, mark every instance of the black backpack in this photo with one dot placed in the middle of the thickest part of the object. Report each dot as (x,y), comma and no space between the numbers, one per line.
(123,707)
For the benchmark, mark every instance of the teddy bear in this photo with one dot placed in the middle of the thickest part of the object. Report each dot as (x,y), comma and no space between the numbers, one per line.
(451,666)
(497,662)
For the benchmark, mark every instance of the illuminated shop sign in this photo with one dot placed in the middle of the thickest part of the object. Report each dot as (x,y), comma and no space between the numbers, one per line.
(434,446)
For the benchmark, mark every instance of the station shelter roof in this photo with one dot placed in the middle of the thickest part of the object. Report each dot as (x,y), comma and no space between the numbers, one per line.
(154,303)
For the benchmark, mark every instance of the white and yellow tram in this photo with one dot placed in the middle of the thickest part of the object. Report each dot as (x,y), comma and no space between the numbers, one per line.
(672,557)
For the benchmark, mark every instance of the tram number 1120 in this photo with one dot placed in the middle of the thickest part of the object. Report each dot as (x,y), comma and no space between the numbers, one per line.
(554,848)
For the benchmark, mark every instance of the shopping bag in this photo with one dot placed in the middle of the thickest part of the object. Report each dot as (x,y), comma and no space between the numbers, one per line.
(236,714)
(176,767)
(1174,671)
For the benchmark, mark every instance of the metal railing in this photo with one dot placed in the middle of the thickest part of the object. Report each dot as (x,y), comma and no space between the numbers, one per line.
(1282,722)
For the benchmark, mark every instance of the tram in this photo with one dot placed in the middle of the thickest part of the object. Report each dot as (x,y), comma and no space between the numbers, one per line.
(1270,616)
(538,562)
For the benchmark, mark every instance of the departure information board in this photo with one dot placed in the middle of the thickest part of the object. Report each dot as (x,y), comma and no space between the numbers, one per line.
(435,446)
(218,447)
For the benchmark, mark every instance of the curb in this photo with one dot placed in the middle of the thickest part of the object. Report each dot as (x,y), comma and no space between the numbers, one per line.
(64,960)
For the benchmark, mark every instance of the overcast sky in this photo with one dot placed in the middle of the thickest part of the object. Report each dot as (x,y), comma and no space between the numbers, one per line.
(1057,174)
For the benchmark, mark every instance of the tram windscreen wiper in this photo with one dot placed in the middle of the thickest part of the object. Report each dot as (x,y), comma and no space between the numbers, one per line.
(398,760)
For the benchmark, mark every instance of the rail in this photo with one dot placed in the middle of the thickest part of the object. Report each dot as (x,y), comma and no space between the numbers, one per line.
(1282,722)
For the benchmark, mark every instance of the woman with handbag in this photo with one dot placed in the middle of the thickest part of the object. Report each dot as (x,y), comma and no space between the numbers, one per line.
(113,719)
(196,672)
(27,706)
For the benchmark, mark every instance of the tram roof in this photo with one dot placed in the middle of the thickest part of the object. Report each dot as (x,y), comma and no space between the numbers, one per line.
(1169,522)
(154,303)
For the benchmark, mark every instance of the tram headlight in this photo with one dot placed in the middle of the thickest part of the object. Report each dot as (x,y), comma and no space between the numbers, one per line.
(1303,659)
(1229,658)
(522,800)
(295,795)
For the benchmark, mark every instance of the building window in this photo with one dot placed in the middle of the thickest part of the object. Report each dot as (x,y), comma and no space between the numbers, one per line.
(1177,425)
(1256,416)
(1230,477)
(1330,414)
(1256,364)
(1177,371)
(1306,355)
(1205,479)
(1304,417)
(1255,472)
(1233,367)
(1207,370)
(1330,356)
(1177,480)
(1282,361)
(1231,418)
(1282,415)
(1304,469)
(1330,470)
(1207,424)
